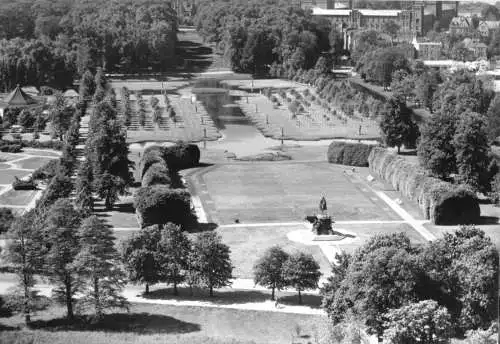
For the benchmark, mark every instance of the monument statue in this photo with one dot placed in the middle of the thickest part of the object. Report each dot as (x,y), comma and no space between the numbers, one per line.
(322,222)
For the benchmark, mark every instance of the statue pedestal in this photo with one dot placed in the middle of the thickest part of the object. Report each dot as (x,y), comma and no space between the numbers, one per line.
(323,225)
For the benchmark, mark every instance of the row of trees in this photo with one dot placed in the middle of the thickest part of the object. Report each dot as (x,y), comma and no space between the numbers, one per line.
(106,169)
(277,269)
(164,253)
(397,288)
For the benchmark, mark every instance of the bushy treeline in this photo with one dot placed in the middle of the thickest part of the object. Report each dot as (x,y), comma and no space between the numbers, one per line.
(408,294)
(440,201)
(56,41)
(254,35)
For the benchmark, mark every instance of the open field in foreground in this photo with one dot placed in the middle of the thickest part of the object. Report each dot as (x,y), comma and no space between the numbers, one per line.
(147,324)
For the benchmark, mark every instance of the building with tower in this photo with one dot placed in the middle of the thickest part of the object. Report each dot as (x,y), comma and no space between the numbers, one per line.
(414,18)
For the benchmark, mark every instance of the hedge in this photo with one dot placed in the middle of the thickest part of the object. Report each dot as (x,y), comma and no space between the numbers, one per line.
(149,157)
(159,204)
(157,173)
(182,156)
(21,184)
(441,202)
(352,154)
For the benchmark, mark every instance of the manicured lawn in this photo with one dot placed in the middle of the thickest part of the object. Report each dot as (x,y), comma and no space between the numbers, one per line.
(7,176)
(20,197)
(171,324)
(249,243)
(41,152)
(273,192)
(33,163)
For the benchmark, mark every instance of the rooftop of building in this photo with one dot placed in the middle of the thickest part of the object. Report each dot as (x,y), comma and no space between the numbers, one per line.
(346,12)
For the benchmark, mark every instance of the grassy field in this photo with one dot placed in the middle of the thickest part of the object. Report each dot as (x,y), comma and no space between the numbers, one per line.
(170,324)
(33,163)
(7,176)
(273,192)
(249,243)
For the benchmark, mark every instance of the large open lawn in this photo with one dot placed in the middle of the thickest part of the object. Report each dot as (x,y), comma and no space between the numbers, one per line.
(172,324)
(273,192)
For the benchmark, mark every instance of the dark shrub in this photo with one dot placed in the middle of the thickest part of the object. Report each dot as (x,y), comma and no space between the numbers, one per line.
(52,144)
(182,156)
(149,157)
(47,171)
(459,206)
(157,173)
(6,219)
(20,184)
(352,154)
(159,204)
(11,148)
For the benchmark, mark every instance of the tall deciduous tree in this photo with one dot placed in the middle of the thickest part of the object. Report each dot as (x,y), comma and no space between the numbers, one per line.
(397,126)
(301,272)
(424,322)
(213,262)
(436,151)
(140,256)
(462,275)
(382,274)
(174,249)
(471,149)
(268,270)
(61,230)
(98,262)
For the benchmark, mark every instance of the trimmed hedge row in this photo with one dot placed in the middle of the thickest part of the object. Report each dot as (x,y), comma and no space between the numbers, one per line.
(352,154)
(441,202)
(157,173)
(181,156)
(152,155)
(158,204)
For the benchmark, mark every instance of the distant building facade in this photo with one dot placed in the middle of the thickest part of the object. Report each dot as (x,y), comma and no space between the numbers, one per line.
(486,27)
(461,26)
(411,18)
(428,50)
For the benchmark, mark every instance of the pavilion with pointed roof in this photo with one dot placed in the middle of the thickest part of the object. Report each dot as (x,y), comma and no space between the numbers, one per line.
(18,99)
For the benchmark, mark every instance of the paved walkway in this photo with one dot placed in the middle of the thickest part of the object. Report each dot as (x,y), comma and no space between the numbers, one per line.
(133,294)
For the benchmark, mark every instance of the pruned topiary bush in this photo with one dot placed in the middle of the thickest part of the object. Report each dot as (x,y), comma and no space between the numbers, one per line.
(352,154)
(442,202)
(182,156)
(21,184)
(158,204)
(152,155)
(456,206)
(157,173)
